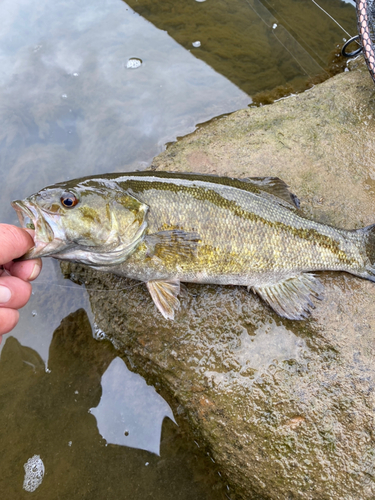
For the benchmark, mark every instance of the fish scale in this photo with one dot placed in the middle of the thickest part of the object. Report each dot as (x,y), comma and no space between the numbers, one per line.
(165,228)
(254,237)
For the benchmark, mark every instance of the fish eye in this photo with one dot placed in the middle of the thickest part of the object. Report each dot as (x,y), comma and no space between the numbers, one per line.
(69,200)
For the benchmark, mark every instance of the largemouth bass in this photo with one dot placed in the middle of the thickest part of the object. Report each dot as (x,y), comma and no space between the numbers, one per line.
(164,228)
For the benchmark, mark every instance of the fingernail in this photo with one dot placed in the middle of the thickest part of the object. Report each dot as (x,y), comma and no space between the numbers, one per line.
(5,294)
(36,270)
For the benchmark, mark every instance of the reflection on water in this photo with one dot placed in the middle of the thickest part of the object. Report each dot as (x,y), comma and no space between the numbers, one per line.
(123,414)
(47,414)
(68,104)
(257,44)
(52,298)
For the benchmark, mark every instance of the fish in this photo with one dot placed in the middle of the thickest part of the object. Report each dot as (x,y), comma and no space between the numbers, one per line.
(166,228)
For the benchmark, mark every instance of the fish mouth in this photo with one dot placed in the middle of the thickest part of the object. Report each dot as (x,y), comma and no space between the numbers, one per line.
(30,217)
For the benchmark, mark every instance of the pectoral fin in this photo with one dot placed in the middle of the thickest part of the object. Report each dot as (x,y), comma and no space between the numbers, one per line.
(173,243)
(164,294)
(291,298)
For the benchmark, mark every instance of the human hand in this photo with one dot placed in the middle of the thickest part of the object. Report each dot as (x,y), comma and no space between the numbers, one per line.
(15,289)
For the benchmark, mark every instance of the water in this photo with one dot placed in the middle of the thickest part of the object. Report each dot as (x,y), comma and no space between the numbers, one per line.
(102,87)
(47,413)
(130,424)
(239,40)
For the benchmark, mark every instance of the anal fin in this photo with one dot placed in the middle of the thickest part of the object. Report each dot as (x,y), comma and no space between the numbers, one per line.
(164,294)
(291,298)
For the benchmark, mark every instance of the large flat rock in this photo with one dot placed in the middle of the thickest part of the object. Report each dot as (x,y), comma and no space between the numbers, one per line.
(285,408)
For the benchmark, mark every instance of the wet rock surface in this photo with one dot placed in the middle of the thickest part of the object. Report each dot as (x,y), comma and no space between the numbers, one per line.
(285,408)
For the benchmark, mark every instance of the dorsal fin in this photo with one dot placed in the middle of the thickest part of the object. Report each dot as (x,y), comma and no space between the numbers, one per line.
(275,187)
(271,188)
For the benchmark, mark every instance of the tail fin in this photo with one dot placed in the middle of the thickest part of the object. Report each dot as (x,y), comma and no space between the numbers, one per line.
(368,233)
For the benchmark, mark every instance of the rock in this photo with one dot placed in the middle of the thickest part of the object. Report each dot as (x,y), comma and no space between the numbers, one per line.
(285,408)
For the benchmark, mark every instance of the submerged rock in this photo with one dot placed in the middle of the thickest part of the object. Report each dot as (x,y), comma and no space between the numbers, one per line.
(285,408)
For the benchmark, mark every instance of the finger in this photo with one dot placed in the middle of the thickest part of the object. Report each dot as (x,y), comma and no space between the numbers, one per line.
(14,242)
(8,320)
(14,292)
(31,232)
(26,270)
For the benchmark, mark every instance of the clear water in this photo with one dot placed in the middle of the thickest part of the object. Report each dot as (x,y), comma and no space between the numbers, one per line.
(99,87)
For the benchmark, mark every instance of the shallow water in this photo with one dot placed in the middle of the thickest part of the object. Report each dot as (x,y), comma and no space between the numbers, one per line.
(257,45)
(48,414)
(100,87)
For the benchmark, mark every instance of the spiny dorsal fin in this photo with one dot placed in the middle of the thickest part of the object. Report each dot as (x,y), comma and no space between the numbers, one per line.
(291,298)
(271,188)
(277,188)
(173,243)
(268,187)
(164,294)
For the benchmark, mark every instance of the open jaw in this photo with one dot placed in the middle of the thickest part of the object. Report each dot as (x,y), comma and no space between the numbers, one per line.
(45,240)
